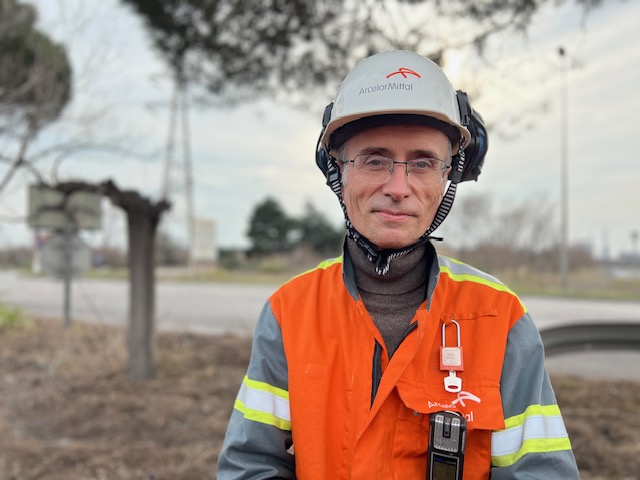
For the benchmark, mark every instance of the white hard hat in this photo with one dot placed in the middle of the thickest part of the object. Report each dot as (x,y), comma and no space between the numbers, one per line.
(400,83)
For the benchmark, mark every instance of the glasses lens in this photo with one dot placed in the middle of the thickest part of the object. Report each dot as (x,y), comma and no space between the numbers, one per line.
(425,171)
(373,168)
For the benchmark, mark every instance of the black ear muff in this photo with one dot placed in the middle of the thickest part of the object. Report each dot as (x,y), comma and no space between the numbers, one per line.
(475,152)
(322,160)
(322,154)
(326,116)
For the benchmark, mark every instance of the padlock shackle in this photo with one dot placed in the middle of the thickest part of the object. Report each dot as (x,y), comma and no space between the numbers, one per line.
(444,338)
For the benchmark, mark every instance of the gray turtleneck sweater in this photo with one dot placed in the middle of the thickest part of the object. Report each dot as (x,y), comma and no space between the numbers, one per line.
(392,299)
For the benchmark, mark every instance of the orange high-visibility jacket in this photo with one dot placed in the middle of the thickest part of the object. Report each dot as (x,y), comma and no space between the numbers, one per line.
(321,400)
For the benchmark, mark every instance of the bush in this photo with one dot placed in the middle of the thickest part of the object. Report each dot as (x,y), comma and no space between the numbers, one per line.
(11,317)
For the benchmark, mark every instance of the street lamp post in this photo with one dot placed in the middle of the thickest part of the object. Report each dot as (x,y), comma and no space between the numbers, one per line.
(564,174)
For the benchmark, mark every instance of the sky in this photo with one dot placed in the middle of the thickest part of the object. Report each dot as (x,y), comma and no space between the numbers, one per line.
(243,155)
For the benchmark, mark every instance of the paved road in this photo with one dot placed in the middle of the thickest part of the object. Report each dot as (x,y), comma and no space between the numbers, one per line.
(196,307)
(217,308)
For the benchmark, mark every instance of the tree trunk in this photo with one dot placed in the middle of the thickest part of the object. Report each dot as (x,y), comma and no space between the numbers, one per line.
(142,232)
(143,218)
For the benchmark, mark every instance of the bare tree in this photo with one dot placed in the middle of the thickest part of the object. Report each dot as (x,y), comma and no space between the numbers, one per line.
(470,221)
(506,237)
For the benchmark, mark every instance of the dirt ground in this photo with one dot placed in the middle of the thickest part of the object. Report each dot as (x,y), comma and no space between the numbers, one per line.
(69,412)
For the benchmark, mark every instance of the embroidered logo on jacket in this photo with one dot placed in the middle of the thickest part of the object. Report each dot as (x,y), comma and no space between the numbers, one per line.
(461,397)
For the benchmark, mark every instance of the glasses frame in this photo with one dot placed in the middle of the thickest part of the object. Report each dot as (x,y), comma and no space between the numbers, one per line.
(445,166)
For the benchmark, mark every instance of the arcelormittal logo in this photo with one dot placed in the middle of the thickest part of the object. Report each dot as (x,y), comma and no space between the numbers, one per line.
(404,72)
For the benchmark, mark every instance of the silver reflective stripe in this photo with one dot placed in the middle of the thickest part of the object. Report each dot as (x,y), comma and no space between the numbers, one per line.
(540,429)
(261,402)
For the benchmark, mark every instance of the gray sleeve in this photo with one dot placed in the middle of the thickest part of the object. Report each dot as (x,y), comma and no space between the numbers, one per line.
(535,443)
(258,435)
(524,378)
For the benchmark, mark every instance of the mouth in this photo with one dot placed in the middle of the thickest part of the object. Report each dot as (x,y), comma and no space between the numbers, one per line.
(392,215)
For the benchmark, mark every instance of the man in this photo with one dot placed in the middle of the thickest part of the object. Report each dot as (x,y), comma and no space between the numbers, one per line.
(352,361)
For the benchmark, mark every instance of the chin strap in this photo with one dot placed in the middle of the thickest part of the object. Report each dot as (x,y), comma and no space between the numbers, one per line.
(382,258)
(447,200)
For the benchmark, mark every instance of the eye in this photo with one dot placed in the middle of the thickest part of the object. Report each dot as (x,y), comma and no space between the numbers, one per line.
(424,164)
(374,161)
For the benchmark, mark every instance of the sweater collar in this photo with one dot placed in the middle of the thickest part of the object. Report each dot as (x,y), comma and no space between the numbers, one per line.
(408,271)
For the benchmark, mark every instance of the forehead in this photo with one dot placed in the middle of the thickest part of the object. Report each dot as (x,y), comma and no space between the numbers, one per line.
(400,140)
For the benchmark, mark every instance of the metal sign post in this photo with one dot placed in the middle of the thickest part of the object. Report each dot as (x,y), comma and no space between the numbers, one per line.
(68,237)
(64,255)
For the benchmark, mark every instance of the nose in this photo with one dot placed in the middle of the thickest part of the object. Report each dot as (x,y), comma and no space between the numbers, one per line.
(397,185)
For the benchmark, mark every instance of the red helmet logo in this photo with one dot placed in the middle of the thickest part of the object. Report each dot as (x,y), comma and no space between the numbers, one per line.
(404,72)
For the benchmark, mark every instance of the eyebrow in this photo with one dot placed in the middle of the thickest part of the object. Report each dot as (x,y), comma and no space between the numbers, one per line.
(418,153)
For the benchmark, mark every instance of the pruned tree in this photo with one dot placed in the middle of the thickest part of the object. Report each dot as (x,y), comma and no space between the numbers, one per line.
(143,218)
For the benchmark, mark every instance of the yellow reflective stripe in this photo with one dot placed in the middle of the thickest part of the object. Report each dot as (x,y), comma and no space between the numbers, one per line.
(264,403)
(469,277)
(327,263)
(532,410)
(539,429)
(546,445)
(321,266)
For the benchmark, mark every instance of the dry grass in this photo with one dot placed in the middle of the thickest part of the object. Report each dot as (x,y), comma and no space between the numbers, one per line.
(68,411)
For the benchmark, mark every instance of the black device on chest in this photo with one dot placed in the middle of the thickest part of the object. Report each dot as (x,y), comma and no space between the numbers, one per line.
(447,443)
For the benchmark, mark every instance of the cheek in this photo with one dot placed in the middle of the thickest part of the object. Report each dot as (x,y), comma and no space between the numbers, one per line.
(354,199)
(432,196)
(430,200)
(351,203)
(438,193)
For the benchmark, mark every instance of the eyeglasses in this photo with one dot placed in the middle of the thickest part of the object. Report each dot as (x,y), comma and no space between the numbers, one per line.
(377,169)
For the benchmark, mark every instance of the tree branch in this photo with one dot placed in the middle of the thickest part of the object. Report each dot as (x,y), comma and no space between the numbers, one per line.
(19,159)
